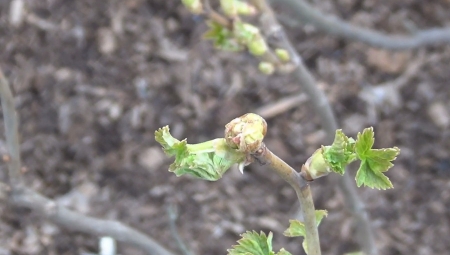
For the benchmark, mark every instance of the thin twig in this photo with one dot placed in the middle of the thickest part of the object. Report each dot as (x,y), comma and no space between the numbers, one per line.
(323,109)
(307,14)
(12,137)
(282,105)
(173,215)
(303,191)
(47,208)
(72,220)
(215,16)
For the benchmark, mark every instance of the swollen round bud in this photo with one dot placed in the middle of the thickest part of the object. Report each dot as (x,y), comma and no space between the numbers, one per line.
(246,133)
(315,167)
(266,68)
(233,8)
(257,46)
(282,54)
(244,8)
(194,6)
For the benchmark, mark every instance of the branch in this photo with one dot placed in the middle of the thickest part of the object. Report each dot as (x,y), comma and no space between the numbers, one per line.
(172,211)
(303,191)
(75,221)
(11,127)
(307,14)
(282,105)
(322,108)
(47,208)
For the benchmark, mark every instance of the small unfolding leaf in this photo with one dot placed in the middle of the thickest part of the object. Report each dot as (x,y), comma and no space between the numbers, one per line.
(364,142)
(208,160)
(340,153)
(245,32)
(222,37)
(371,178)
(374,162)
(297,228)
(253,243)
(380,159)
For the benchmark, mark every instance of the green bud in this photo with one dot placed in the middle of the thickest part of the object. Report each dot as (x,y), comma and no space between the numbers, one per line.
(194,6)
(244,32)
(229,7)
(244,8)
(266,68)
(233,8)
(282,54)
(315,166)
(246,133)
(257,46)
(249,35)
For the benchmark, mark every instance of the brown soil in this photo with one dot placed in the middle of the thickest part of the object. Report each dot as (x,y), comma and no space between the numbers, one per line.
(93,80)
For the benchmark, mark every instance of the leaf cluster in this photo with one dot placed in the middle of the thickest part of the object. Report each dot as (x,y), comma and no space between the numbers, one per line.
(374,162)
(222,37)
(208,161)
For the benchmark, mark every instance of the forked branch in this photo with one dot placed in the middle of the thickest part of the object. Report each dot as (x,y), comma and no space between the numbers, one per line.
(303,191)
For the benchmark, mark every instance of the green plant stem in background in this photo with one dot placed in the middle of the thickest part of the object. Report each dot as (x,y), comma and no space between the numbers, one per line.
(303,191)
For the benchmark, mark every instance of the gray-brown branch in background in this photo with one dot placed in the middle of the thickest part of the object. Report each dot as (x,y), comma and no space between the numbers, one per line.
(323,109)
(47,208)
(12,137)
(329,24)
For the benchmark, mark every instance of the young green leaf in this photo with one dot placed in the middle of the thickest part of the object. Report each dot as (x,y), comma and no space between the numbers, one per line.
(364,142)
(253,243)
(297,228)
(222,37)
(373,179)
(208,160)
(373,162)
(340,153)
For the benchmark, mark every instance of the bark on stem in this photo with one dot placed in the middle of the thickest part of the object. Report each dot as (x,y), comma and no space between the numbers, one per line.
(303,191)
(12,137)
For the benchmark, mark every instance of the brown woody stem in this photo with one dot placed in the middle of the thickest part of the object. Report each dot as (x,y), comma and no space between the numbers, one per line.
(301,187)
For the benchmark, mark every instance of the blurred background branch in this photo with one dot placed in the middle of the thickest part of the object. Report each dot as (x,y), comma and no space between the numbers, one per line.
(49,209)
(305,13)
